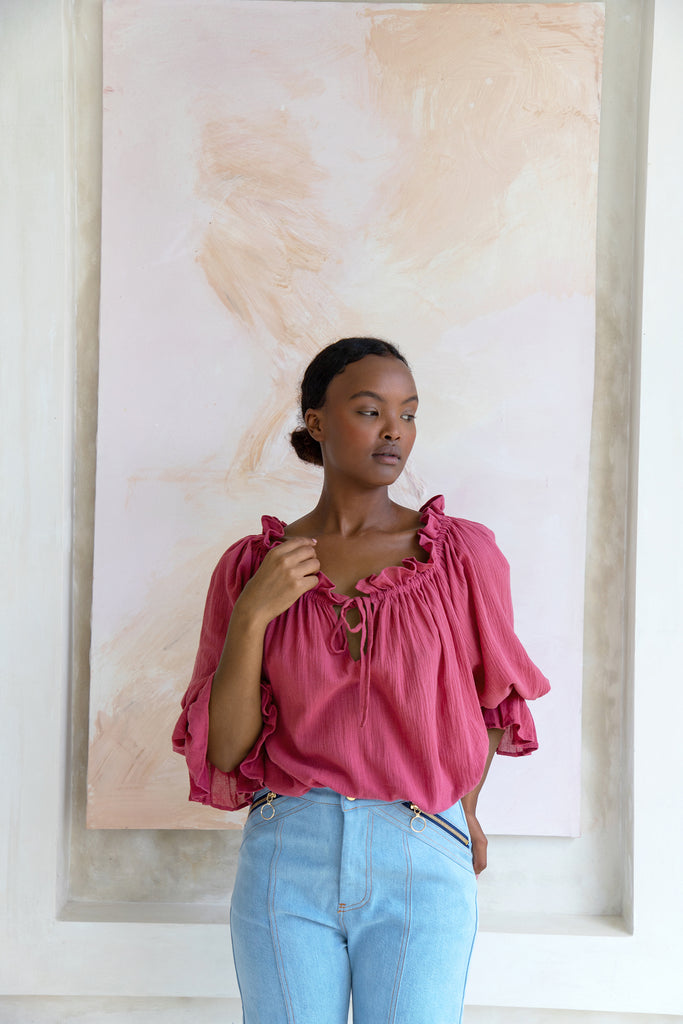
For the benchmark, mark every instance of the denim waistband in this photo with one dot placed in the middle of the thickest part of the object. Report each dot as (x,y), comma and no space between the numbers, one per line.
(323,795)
(265,800)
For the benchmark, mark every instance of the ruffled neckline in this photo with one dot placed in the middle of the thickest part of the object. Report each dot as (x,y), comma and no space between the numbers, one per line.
(429,531)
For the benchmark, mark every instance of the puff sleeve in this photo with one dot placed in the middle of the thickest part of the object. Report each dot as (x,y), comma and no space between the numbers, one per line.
(506,678)
(208,785)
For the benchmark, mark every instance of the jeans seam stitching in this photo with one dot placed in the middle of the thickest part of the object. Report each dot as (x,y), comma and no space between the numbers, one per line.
(406,933)
(286,995)
(432,841)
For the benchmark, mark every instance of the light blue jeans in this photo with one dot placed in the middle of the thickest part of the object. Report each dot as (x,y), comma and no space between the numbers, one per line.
(335,895)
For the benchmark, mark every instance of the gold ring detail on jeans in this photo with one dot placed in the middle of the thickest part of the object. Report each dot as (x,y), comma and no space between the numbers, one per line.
(268,806)
(417,822)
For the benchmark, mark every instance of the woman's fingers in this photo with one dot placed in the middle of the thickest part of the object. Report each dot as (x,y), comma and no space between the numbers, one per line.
(479,855)
(294,544)
(309,582)
(479,844)
(297,556)
(309,565)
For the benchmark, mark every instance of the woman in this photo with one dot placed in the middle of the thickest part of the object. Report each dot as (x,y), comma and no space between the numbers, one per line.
(357,669)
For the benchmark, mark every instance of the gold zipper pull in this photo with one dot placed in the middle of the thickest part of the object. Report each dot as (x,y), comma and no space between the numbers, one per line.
(268,805)
(417,819)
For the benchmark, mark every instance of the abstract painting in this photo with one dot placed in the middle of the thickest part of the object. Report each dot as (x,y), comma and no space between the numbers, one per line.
(278,175)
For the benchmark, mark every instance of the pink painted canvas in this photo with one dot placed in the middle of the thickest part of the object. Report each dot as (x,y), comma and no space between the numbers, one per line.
(278,175)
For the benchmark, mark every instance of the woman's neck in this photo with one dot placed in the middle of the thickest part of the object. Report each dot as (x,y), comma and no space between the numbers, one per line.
(348,513)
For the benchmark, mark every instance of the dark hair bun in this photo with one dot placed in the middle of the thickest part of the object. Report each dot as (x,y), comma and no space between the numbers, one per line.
(306,447)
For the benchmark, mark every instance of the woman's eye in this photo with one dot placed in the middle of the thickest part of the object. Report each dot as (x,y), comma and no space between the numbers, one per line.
(368,412)
(408,416)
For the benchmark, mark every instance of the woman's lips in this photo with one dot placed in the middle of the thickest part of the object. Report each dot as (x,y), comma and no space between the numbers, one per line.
(388,456)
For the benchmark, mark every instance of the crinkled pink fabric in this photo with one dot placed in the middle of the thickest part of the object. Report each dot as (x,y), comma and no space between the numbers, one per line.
(440,663)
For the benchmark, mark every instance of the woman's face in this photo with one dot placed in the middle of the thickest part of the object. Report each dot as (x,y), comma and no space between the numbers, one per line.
(366,428)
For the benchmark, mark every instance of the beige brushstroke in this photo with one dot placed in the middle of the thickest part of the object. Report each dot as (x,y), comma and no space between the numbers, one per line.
(134,778)
(270,254)
(488,99)
(204,476)
(264,252)
(265,230)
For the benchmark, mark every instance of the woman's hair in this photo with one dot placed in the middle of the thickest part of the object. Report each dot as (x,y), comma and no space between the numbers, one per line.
(320,371)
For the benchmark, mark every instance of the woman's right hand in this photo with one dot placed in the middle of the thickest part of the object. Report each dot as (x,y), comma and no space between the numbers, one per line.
(287,572)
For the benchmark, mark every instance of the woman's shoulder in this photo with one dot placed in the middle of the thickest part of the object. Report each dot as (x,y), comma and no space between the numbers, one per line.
(463,539)
(456,529)
(253,546)
(303,527)
(470,533)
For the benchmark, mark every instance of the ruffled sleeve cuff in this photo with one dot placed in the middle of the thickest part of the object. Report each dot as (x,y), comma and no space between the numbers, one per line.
(512,715)
(505,676)
(231,790)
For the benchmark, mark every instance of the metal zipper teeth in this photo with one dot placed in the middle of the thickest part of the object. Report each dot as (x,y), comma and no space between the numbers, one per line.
(443,823)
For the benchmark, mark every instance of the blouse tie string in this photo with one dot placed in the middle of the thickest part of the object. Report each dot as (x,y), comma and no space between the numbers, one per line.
(339,643)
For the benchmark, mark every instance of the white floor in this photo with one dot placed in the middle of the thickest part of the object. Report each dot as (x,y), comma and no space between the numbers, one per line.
(87,1010)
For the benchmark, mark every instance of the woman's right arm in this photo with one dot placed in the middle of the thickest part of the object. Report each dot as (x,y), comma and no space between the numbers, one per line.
(235,721)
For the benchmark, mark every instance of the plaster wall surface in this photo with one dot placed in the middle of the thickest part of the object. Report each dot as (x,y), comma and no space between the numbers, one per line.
(578,929)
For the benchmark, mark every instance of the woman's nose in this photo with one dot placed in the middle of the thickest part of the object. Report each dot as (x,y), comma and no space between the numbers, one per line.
(391,432)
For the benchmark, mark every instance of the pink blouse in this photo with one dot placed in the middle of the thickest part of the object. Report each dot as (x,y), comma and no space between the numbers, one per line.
(439,664)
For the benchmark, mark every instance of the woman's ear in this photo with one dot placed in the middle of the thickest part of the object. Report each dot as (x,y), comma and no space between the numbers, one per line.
(313,424)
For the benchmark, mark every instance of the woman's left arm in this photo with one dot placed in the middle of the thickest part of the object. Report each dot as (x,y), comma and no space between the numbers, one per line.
(469,806)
